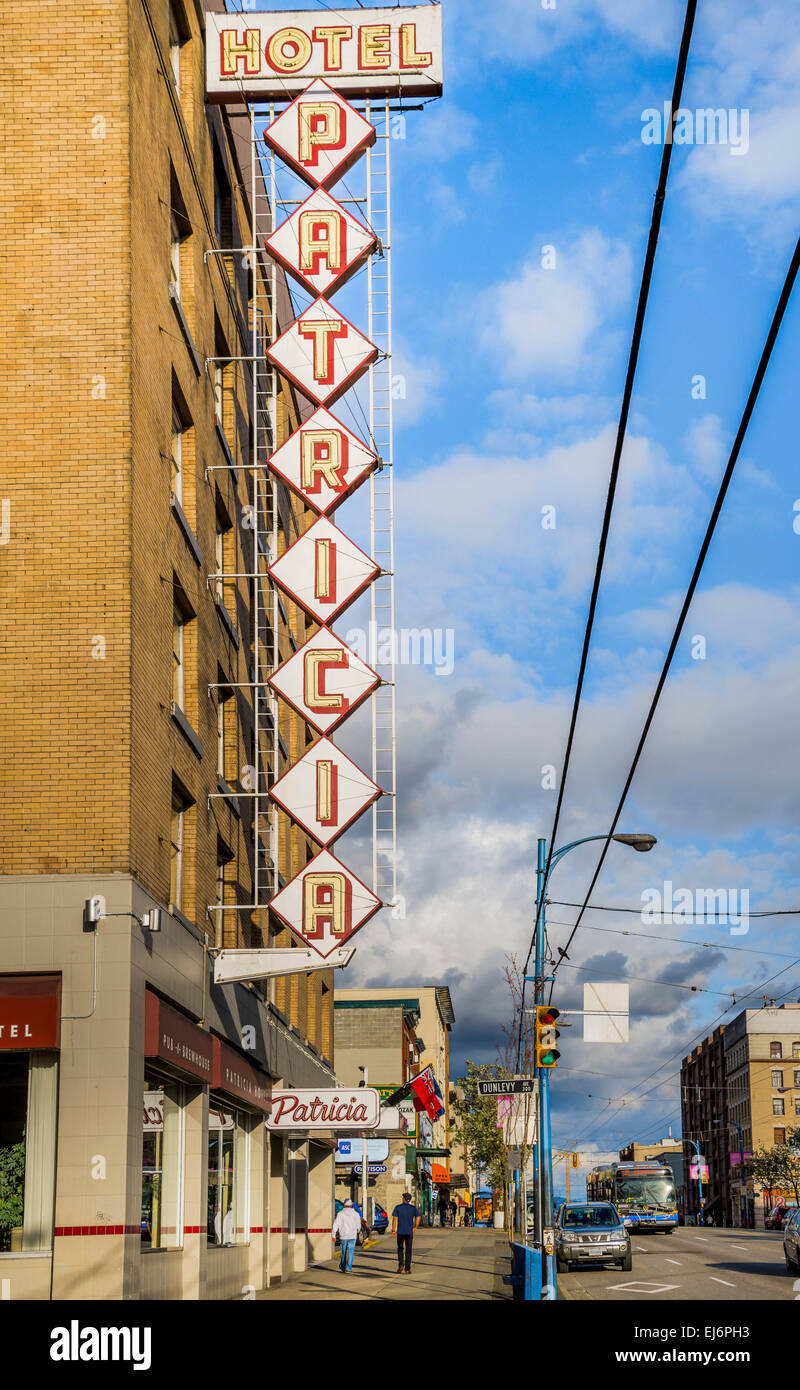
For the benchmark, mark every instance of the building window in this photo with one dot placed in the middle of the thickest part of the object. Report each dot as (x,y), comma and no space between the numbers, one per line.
(28,1104)
(797,1105)
(796,1049)
(797,1077)
(178,656)
(177,38)
(162,1164)
(777,1079)
(228,1175)
(778,1107)
(779,1136)
(177,842)
(176,455)
(775,1049)
(223,203)
(180,241)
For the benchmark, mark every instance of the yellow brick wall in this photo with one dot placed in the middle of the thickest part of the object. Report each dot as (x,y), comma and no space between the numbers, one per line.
(93,344)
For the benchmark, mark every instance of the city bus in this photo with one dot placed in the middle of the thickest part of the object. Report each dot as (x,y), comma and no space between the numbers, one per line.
(643,1193)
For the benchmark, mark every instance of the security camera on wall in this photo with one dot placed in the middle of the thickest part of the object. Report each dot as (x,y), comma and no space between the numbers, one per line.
(93,909)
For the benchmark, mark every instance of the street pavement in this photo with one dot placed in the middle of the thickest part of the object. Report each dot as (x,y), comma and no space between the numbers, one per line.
(691,1264)
(460,1265)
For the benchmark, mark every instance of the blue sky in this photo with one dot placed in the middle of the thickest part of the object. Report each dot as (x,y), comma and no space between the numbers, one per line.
(513,379)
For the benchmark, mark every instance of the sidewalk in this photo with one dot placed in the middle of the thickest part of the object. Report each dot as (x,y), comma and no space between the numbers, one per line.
(467,1263)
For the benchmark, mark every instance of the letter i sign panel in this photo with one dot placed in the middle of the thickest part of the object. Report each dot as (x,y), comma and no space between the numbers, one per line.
(320,135)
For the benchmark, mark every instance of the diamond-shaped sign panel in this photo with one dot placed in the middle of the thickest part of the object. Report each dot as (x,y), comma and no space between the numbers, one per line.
(320,135)
(323,461)
(322,353)
(321,244)
(325,792)
(324,681)
(324,571)
(325,903)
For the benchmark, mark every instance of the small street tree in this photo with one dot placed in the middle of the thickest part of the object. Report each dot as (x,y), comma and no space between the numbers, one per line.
(476,1123)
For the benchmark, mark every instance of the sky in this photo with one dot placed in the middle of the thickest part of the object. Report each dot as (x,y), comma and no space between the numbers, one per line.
(512,371)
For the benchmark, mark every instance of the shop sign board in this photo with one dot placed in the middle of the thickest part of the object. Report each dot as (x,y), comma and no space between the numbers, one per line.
(271,55)
(30,1012)
(351,1151)
(173,1038)
(341,1108)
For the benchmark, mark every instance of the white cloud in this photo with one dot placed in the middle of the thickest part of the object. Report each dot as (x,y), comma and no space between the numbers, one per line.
(418,384)
(707,445)
(549,320)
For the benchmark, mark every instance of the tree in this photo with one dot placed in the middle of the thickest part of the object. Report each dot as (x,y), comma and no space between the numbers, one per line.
(475,1123)
(778,1166)
(12,1187)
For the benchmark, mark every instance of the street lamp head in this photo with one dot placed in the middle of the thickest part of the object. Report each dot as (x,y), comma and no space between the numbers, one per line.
(642,843)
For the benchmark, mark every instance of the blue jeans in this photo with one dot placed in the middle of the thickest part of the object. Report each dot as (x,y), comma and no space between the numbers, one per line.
(347,1249)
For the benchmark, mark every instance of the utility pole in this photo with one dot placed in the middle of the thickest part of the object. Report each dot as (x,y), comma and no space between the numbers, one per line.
(364,1160)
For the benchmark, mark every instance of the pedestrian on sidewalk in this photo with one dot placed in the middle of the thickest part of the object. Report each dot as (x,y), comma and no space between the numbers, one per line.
(346,1226)
(405,1220)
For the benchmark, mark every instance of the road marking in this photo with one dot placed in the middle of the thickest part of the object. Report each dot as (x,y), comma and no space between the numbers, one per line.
(722,1281)
(639,1287)
(643,1248)
(703,1238)
(671,1262)
(737,1247)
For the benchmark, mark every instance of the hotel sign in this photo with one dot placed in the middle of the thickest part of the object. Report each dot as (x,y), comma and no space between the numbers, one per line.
(271,56)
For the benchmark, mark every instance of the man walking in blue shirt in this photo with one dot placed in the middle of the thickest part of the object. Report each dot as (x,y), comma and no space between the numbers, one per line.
(405,1220)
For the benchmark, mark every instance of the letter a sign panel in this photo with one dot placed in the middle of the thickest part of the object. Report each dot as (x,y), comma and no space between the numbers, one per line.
(325,903)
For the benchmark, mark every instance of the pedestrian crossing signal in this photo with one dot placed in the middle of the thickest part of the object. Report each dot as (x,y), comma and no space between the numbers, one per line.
(546,1033)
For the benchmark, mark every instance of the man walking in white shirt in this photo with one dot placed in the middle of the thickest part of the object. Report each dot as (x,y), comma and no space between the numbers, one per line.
(346,1226)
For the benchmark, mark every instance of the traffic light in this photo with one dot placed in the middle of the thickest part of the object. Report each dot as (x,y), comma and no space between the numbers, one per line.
(546,1033)
(575,1160)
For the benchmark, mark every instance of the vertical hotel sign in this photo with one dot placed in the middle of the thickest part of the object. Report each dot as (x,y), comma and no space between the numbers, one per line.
(316,58)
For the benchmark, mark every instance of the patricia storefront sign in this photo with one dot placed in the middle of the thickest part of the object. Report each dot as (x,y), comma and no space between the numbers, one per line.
(265,56)
(359,1108)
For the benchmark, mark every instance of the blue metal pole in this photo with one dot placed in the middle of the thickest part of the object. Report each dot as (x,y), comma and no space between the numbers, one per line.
(544,1146)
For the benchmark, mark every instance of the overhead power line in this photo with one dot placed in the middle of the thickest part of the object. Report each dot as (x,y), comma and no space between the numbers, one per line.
(761,370)
(695,916)
(633,358)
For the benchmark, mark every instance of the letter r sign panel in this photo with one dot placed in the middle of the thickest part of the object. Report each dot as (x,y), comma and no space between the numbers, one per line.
(325,904)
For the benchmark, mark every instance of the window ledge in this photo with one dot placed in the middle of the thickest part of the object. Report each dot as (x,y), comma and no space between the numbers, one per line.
(193,739)
(26,1254)
(226,448)
(227,622)
(182,520)
(185,330)
(230,797)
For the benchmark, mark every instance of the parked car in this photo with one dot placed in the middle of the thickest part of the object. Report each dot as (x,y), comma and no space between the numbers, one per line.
(791,1240)
(591,1232)
(380,1220)
(774,1220)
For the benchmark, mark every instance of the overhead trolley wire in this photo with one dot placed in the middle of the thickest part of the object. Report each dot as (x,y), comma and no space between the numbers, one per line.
(633,358)
(761,370)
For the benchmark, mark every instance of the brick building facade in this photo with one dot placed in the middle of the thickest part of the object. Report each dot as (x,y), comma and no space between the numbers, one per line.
(130,756)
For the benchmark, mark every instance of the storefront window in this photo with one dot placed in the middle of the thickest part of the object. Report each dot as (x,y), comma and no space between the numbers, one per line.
(228,1175)
(162,1164)
(28,1099)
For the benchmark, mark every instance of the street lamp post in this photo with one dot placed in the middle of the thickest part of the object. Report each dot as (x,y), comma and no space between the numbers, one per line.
(696,1148)
(544,1207)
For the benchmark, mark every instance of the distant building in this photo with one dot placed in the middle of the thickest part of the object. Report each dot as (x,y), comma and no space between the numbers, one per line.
(740,1089)
(396,1033)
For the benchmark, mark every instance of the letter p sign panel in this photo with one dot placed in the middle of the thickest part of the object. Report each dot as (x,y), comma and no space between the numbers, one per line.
(320,135)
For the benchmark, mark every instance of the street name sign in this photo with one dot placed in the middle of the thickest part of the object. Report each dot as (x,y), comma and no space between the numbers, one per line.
(514,1086)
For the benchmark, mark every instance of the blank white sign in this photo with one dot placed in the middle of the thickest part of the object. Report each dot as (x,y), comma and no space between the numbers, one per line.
(606,1012)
